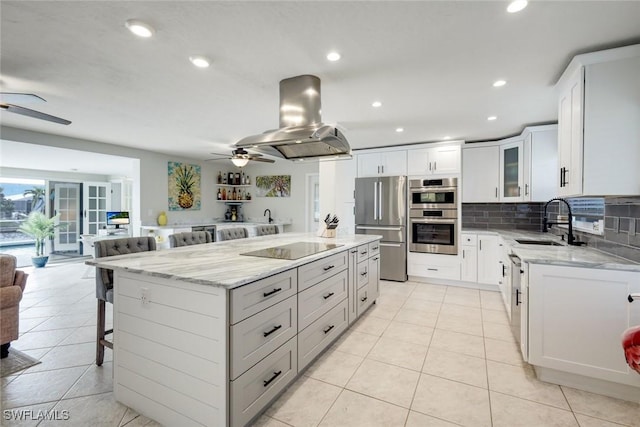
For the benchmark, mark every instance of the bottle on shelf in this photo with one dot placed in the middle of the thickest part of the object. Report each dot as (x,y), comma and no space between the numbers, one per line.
(220,193)
(248,180)
(233,194)
(237,181)
(224,179)
(219,177)
(243,180)
(224,194)
(231,178)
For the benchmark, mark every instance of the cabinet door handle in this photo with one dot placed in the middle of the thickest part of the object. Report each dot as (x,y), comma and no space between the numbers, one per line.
(526,189)
(518,191)
(463,253)
(329,267)
(328,329)
(275,375)
(266,294)
(518,297)
(382,168)
(429,165)
(363,299)
(480,243)
(504,268)
(329,295)
(434,166)
(275,328)
(364,273)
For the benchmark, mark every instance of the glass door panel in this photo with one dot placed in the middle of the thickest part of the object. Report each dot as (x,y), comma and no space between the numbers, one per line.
(97,202)
(67,200)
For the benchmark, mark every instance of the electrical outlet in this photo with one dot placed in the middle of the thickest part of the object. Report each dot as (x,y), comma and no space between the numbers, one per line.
(144,296)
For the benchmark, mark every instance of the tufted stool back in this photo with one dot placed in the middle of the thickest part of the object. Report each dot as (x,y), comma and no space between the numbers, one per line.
(190,238)
(263,230)
(233,233)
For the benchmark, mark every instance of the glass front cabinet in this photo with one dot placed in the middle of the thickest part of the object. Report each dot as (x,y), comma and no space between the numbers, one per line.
(511,172)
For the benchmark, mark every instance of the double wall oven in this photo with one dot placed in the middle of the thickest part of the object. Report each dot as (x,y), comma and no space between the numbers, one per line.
(433,216)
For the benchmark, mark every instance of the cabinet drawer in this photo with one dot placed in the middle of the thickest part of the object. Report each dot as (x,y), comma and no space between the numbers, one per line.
(365,299)
(250,299)
(469,239)
(436,271)
(374,248)
(363,273)
(315,301)
(321,333)
(253,390)
(363,252)
(317,271)
(255,337)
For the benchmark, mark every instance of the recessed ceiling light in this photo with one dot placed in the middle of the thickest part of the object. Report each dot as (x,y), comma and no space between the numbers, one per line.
(199,61)
(447,137)
(333,56)
(399,130)
(517,6)
(376,104)
(499,83)
(139,28)
(491,118)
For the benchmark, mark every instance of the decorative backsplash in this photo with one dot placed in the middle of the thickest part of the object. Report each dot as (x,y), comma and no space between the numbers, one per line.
(621,223)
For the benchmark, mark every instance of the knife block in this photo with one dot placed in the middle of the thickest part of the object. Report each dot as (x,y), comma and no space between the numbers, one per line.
(328,232)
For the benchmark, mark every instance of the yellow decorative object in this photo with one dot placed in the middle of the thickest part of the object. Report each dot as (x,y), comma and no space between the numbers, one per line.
(162,218)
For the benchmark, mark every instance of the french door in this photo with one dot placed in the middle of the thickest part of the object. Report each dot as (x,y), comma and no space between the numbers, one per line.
(67,205)
(96,203)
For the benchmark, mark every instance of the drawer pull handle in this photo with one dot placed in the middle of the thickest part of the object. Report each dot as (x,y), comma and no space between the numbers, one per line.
(328,329)
(363,299)
(266,294)
(364,273)
(432,269)
(329,295)
(275,375)
(329,267)
(275,328)
(363,253)
(354,251)
(376,258)
(374,249)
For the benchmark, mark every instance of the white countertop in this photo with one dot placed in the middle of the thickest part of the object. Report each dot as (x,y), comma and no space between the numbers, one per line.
(216,223)
(220,263)
(572,256)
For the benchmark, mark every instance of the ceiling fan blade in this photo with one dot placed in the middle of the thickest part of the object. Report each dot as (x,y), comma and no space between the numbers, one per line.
(258,159)
(19,98)
(35,114)
(217,158)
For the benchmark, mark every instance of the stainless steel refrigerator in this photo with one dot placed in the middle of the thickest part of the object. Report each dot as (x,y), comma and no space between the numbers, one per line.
(381,208)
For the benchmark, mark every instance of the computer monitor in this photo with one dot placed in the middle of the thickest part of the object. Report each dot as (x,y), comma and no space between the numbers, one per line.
(118,218)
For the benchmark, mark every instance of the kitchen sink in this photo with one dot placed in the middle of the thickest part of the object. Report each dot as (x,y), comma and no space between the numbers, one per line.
(539,242)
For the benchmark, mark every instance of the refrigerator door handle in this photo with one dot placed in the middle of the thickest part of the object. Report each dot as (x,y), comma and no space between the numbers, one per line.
(375,200)
(380,201)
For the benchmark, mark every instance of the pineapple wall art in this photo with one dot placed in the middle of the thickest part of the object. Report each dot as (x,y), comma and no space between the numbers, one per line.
(184,186)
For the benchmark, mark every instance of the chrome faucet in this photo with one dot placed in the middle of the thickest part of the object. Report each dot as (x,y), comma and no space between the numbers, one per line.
(265,212)
(546,224)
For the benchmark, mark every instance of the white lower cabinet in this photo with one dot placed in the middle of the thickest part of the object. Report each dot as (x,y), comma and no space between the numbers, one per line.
(469,270)
(504,275)
(576,318)
(434,266)
(488,257)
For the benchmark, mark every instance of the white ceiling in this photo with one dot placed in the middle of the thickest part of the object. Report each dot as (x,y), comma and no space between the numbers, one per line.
(431,64)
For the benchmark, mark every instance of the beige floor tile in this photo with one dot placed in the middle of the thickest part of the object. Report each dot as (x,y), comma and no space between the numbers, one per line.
(30,389)
(141,421)
(399,353)
(491,300)
(265,421)
(521,381)
(585,421)
(97,379)
(429,292)
(471,313)
(26,416)
(509,411)
(460,324)
(67,356)
(84,411)
(465,300)
(47,311)
(495,316)
(416,317)
(503,351)
(334,367)
(452,401)
(63,322)
(129,416)
(498,331)
(456,366)
(371,325)
(391,301)
(606,408)
(355,410)
(304,403)
(27,324)
(385,382)
(81,335)
(462,291)
(356,343)
(407,332)
(32,340)
(395,288)
(416,419)
(456,342)
(425,306)
(382,312)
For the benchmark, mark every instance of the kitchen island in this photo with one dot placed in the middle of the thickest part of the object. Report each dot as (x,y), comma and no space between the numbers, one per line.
(211,334)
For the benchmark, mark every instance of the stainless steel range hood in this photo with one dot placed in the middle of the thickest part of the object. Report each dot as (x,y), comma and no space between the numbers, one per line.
(301,134)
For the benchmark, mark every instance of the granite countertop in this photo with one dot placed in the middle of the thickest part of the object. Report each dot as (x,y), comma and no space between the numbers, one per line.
(216,223)
(220,263)
(565,255)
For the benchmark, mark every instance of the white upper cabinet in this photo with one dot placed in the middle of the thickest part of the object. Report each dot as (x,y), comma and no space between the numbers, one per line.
(541,170)
(382,163)
(443,159)
(511,171)
(480,174)
(599,124)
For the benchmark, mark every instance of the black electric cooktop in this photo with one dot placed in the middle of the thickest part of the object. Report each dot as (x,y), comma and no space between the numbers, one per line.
(293,250)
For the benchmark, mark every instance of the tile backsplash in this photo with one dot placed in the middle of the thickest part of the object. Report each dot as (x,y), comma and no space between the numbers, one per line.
(621,223)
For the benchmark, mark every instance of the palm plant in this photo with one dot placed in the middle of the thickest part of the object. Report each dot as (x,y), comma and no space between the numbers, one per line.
(38,226)
(37,194)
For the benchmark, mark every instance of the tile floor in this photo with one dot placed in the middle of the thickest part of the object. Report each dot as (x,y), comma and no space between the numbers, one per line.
(424,355)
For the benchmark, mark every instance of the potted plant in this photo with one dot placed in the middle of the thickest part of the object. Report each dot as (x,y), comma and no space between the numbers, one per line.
(41,228)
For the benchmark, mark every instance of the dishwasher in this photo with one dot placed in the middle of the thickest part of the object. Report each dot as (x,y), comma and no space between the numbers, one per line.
(516,296)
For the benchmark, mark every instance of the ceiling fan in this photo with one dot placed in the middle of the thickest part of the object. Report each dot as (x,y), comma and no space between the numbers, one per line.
(240,157)
(8,101)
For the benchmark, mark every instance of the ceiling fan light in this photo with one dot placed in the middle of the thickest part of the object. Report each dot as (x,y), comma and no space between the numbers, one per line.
(199,61)
(240,162)
(139,28)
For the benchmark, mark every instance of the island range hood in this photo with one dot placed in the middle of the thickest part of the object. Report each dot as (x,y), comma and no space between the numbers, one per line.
(302,134)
